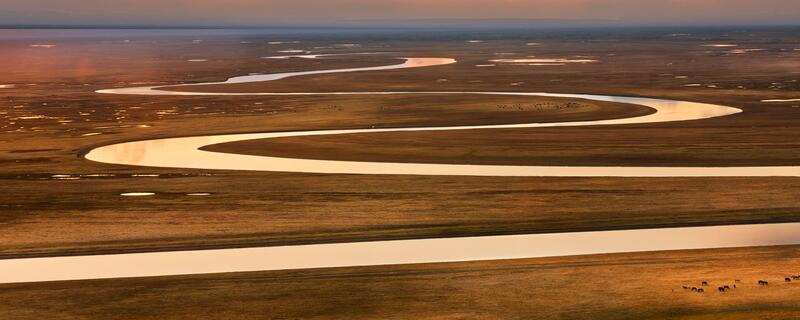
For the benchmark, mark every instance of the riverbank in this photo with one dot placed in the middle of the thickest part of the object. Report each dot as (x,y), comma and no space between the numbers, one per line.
(619,286)
(62,204)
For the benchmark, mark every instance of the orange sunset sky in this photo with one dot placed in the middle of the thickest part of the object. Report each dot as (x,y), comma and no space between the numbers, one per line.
(298,12)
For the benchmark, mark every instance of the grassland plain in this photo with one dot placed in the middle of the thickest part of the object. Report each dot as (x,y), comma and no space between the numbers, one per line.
(617,286)
(59,203)
(56,203)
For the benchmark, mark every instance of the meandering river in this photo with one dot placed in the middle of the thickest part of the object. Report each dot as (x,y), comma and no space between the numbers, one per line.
(184,152)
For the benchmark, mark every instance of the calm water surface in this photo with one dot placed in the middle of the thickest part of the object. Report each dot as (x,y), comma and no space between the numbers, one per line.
(184,153)
(394,252)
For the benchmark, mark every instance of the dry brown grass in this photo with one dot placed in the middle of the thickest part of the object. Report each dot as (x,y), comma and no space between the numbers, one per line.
(622,286)
(41,215)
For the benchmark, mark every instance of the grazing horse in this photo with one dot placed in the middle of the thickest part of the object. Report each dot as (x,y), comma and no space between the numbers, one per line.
(721,289)
(700,290)
(728,288)
(705,283)
(694,289)
(763,283)
(787,280)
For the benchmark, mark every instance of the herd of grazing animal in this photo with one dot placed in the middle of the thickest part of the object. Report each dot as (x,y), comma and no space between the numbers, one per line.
(722,288)
(726,287)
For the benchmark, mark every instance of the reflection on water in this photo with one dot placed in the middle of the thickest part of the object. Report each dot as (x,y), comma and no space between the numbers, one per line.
(153,90)
(538,60)
(781,100)
(137,194)
(318,55)
(394,252)
(185,153)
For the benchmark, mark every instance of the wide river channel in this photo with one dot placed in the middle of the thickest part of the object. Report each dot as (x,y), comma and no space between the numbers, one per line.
(184,152)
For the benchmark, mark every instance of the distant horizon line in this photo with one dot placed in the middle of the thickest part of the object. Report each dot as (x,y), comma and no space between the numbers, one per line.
(434,25)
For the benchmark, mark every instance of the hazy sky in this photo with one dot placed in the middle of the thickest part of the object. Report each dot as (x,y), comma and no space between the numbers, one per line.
(270,12)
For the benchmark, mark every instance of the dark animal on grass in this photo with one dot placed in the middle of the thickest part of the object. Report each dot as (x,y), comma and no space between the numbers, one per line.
(763,283)
(694,289)
(787,280)
(700,290)
(705,283)
(721,289)
(727,287)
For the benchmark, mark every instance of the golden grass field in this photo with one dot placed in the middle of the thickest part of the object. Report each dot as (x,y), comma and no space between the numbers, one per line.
(619,286)
(56,203)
